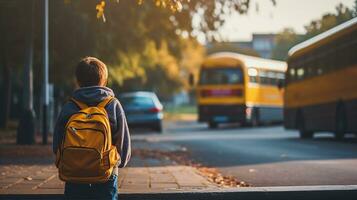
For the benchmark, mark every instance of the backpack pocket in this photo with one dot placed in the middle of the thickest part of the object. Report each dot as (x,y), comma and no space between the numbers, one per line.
(80,162)
(110,158)
(88,137)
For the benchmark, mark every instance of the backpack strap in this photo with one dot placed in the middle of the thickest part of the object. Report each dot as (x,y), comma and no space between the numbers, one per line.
(79,104)
(105,102)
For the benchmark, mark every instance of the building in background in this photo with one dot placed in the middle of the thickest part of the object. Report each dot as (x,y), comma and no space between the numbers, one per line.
(263,44)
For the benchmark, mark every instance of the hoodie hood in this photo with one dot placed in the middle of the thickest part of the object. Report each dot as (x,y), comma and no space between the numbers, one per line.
(92,95)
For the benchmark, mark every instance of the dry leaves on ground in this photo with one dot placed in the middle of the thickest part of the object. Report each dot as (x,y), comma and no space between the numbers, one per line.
(182,157)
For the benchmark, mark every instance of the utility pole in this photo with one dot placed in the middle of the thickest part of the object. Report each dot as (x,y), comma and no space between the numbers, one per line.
(45,76)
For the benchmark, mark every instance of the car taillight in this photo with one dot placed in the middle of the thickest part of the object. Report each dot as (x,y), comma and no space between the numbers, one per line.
(154,110)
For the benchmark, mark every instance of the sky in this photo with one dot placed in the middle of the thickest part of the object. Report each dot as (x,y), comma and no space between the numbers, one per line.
(272,19)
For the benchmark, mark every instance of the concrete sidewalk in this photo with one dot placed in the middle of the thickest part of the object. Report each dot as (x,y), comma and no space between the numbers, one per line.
(43,179)
(30,170)
(27,172)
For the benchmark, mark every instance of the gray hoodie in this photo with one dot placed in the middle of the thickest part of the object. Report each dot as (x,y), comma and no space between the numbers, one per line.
(92,96)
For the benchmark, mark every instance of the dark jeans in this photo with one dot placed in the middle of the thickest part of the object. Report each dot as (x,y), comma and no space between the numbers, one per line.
(102,191)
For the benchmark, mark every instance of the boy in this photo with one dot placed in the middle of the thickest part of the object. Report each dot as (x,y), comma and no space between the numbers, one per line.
(92,75)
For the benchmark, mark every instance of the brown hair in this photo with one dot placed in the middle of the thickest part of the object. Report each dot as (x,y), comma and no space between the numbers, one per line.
(90,71)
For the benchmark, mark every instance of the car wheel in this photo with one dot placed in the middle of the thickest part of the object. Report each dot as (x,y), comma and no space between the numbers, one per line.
(158,127)
(212,125)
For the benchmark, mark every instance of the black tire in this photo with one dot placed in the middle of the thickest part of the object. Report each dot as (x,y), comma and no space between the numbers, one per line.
(304,134)
(245,124)
(158,127)
(255,118)
(212,125)
(340,122)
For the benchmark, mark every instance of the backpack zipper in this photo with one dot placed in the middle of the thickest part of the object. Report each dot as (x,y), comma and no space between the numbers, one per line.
(74,130)
(97,113)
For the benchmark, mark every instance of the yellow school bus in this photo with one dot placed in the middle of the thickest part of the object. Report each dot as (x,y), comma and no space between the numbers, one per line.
(239,88)
(321,86)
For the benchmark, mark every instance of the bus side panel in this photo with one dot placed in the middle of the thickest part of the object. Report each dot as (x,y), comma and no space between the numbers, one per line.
(263,95)
(267,99)
(320,117)
(317,99)
(351,114)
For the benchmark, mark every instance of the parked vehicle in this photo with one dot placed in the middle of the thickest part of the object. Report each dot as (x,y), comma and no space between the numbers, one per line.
(320,92)
(143,109)
(238,88)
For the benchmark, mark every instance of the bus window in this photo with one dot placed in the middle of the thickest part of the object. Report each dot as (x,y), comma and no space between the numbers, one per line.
(300,73)
(268,77)
(263,77)
(272,78)
(280,75)
(225,76)
(253,75)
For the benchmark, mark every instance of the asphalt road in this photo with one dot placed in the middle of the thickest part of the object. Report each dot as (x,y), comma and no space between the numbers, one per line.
(266,156)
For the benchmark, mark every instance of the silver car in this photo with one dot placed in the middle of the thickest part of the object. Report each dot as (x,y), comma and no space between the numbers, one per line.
(142,109)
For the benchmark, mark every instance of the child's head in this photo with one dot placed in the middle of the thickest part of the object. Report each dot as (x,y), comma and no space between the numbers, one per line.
(91,71)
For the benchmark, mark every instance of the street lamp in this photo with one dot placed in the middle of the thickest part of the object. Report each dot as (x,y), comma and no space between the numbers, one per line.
(45,76)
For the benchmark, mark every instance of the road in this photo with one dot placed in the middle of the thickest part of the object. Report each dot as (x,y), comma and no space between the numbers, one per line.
(265,156)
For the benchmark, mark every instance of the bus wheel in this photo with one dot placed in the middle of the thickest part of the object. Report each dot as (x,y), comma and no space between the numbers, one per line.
(212,125)
(304,134)
(340,123)
(255,118)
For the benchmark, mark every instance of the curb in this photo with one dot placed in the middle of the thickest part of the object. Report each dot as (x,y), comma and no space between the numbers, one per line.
(285,192)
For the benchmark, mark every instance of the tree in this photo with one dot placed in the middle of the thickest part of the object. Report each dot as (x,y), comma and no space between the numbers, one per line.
(131,28)
(288,38)
(328,21)
(12,53)
(284,41)
(222,46)
(26,129)
(129,31)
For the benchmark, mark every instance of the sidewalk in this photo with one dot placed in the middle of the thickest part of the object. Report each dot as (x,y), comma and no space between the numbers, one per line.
(30,170)
(20,179)
(27,172)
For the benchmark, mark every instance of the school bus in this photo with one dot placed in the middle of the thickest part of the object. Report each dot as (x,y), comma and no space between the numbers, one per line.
(321,86)
(238,88)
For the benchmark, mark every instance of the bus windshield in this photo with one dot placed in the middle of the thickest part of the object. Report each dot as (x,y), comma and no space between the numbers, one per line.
(222,76)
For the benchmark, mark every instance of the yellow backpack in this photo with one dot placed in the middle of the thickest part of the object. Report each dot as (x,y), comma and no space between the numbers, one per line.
(87,154)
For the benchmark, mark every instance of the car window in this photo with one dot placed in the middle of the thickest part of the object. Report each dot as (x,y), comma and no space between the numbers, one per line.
(138,101)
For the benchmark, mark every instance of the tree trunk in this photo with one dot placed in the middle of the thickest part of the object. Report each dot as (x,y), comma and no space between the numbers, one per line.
(26,128)
(6,101)
(6,72)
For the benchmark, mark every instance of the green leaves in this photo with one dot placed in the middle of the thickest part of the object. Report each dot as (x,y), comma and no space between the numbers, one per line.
(288,37)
